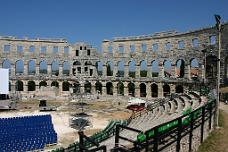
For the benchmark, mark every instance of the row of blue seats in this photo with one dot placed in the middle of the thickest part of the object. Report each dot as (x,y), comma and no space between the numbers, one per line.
(26,133)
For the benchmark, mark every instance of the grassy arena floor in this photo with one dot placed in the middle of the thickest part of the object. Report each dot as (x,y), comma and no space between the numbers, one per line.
(218,139)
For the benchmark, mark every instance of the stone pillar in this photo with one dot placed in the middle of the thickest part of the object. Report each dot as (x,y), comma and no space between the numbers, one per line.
(25,69)
(174,71)
(137,71)
(13,72)
(25,86)
(126,89)
(37,68)
(104,90)
(161,73)
(137,90)
(115,93)
(60,88)
(186,71)
(93,88)
(149,71)
(148,91)
(160,90)
(60,70)
(104,72)
(126,71)
(189,72)
(49,69)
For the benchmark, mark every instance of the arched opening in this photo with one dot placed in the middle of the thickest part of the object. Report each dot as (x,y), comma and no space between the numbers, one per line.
(211,67)
(66,68)
(120,72)
(66,86)
(19,67)
(109,69)
(167,68)
(19,85)
(43,83)
(132,69)
(109,88)
(166,90)
(76,87)
(180,67)
(99,67)
(154,90)
(31,67)
(155,68)
(9,86)
(55,84)
(31,86)
(87,87)
(98,86)
(120,88)
(43,67)
(131,89)
(76,68)
(6,65)
(179,89)
(87,68)
(194,68)
(55,68)
(143,69)
(142,90)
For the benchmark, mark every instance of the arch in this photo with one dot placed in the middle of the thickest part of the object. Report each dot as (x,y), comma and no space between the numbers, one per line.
(55,68)
(99,67)
(142,87)
(43,67)
(66,86)
(179,89)
(154,90)
(6,65)
(120,88)
(143,68)
(19,67)
(166,90)
(87,87)
(19,85)
(180,68)
(167,68)
(31,67)
(131,89)
(43,83)
(88,63)
(98,87)
(55,84)
(109,68)
(31,86)
(155,68)
(132,69)
(66,68)
(77,87)
(109,88)
(120,72)
(77,63)
(194,68)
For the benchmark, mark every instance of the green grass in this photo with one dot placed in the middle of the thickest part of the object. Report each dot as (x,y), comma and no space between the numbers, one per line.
(215,137)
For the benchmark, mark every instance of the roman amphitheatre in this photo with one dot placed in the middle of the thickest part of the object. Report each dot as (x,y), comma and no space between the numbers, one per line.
(174,73)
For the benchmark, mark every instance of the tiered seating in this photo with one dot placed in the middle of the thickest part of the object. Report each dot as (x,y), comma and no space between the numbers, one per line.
(26,133)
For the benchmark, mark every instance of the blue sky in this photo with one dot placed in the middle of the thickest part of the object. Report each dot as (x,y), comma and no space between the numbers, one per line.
(94,20)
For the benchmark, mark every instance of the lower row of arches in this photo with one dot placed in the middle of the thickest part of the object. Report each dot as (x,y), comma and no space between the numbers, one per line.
(108,88)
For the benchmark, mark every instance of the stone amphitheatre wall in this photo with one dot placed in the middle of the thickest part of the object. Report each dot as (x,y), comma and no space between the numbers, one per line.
(82,68)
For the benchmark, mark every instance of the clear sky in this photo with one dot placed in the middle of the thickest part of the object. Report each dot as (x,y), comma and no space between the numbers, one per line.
(94,20)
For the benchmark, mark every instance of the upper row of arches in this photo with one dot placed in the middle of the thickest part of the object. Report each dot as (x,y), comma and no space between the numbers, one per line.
(181,44)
